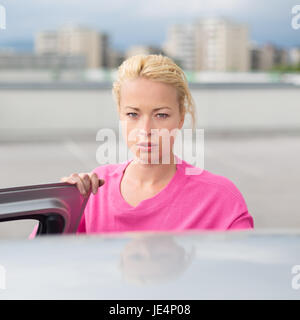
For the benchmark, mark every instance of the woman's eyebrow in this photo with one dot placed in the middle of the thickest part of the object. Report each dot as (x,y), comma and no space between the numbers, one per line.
(162,107)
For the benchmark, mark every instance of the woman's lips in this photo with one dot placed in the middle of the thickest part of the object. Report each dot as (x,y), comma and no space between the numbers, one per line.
(146,146)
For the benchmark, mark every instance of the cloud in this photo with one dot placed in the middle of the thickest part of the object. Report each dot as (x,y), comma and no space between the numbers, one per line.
(142,21)
(167,8)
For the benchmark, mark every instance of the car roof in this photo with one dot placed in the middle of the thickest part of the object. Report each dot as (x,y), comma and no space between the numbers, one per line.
(249,264)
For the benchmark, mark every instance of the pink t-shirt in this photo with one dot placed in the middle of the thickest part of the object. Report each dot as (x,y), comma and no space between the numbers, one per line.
(203,201)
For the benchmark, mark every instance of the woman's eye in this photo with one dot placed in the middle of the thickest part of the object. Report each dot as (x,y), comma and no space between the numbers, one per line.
(163,115)
(159,115)
(131,114)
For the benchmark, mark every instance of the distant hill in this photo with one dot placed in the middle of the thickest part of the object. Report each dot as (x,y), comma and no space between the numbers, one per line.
(18,45)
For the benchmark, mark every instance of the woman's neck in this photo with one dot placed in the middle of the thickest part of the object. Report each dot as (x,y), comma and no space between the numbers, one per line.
(150,174)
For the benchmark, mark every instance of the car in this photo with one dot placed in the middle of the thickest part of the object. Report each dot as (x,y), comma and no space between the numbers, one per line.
(172,265)
(57,207)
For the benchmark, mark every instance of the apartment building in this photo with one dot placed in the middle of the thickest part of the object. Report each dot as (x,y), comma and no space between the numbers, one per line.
(210,44)
(75,40)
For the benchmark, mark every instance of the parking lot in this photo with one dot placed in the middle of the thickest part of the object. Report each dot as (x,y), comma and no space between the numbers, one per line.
(264,168)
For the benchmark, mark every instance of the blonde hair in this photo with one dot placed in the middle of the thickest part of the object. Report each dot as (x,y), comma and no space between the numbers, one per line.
(158,68)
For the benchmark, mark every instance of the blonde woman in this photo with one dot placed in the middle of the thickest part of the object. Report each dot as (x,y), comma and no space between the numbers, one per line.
(152,92)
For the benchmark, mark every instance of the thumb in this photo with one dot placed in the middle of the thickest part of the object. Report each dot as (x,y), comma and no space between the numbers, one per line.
(101,182)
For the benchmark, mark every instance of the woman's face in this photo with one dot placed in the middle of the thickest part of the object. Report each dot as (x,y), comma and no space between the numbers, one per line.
(147,107)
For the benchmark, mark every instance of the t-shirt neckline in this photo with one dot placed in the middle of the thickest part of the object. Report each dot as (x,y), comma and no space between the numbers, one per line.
(146,205)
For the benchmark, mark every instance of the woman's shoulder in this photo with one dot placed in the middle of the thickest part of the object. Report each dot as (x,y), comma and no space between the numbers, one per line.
(212,180)
(109,169)
(220,193)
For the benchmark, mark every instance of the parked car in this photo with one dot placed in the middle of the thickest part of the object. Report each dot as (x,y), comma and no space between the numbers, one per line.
(195,264)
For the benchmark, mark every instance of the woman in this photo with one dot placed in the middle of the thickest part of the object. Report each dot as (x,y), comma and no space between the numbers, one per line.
(152,92)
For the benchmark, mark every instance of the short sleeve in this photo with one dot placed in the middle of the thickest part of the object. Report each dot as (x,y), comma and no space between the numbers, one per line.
(243,221)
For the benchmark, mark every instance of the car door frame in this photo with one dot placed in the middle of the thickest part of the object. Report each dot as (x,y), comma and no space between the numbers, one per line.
(58,207)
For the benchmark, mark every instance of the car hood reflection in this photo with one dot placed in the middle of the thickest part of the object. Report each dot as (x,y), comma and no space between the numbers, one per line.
(150,259)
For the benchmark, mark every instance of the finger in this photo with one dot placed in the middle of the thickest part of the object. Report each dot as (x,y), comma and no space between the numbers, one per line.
(79,183)
(101,182)
(68,180)
(86,181)
(95,184)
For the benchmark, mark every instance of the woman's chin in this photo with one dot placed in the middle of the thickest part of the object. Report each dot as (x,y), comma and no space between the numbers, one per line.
(151,157)
(155,158)
(148,157)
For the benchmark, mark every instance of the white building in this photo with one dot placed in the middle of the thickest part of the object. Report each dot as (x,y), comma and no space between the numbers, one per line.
(142,49)
(75,40)
(33,61)
(294,56)
(181,45)
(211,44)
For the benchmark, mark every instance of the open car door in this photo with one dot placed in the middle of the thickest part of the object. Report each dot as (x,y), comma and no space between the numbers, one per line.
(57,207)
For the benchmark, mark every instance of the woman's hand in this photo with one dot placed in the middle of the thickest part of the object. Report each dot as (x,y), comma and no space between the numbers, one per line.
(85,182)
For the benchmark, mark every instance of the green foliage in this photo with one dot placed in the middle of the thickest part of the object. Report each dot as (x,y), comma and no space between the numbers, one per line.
(287,68)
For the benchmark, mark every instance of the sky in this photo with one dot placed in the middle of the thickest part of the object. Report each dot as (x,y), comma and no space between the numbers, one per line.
(131,22)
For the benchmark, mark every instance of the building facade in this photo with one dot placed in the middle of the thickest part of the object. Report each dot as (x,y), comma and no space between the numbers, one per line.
(211,44)
(75,40)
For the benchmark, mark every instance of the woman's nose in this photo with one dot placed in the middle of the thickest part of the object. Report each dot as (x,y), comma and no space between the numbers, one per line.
(146,125)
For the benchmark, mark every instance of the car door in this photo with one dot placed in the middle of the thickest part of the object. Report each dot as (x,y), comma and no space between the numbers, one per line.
(57,207)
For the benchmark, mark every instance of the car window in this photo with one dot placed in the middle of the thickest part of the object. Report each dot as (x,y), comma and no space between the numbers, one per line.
(17,228)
